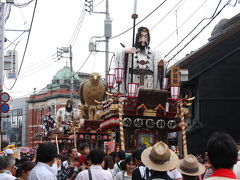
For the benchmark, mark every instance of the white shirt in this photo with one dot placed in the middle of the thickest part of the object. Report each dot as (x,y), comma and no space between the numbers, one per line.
(98,173)
(116,168)
(174,174)
(236,169)
(42,171)
(120,175)
(7,176)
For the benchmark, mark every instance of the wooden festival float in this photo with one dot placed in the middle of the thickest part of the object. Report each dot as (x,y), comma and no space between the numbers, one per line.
(142,117)
(82,124)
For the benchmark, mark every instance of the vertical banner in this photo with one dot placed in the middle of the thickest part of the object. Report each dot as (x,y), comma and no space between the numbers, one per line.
(2,22)
(12,73)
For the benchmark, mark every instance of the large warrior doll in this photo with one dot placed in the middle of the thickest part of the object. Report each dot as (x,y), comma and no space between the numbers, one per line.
(147,63)
(66,116)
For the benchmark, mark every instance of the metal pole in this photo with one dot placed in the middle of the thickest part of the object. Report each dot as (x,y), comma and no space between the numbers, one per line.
(72,75)
(107,43)
(2,23)
(134,17)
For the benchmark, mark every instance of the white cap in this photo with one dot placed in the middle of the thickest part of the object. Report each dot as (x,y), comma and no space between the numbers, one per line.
(8,152)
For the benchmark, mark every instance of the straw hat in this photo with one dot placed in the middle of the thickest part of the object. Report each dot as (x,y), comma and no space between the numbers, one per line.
(159,157)
(190,166)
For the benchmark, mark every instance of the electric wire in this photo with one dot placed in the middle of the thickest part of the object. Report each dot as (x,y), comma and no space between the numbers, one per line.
(14,40)
(182,24)
(195,28)
(27,74)
(139,21)
(113,56)
(39,65)
(84,62)
(22,5)
(165,15)
(8,12)
(25,50)
(78,27)
(201,30)
(99,3)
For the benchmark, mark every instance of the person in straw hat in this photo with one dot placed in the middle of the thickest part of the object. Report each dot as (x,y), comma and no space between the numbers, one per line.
(159,158)
(190,168)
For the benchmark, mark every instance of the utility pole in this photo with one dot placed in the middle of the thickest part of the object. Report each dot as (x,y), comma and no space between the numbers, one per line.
(107,39)
(72,75)
(67,50)
(2,23)
(107,31)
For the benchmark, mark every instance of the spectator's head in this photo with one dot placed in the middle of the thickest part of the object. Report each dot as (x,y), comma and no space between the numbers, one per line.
(114,156)
(190,166)
(8,163)
(137,156)
(206,163)
(46,153)
(25,169)
(121,155)
(108,162)
(128,164)
(59,159)
(84,149)
(96,156)
(72,152)
(222,151)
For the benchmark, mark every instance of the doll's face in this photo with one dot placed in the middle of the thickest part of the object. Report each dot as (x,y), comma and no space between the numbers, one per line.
(143,39)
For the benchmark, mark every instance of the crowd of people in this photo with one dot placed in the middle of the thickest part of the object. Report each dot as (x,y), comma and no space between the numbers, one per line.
(153,163)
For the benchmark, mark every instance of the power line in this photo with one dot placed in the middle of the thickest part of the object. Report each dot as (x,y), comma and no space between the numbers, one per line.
(165,15)
(42,66)
(78,27)
(22,5)
(26,74)
(41,62)
(25,50)
(8,12)
(182,24)
(202,29)
(99,3)
(194,29)
(139,21)
(14,40)
(84,62)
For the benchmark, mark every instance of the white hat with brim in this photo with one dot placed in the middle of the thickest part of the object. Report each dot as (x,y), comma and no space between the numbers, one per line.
(190,166)
(159,157)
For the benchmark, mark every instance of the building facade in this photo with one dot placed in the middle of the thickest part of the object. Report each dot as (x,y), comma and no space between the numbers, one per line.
(44,104)
(16,124)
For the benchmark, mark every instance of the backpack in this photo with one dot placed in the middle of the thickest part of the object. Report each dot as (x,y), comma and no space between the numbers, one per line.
(64,171)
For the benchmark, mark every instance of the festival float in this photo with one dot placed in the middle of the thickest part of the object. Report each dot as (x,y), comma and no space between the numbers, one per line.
(145,106)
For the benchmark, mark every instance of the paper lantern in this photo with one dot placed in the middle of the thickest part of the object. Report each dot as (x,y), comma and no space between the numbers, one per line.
(110,80)
(81,136)
(105,137)
(175,92)
(93,137)
(119,75)
(165,83)
(133,90)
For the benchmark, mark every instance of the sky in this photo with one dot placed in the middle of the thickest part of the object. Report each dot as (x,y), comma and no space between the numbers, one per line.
(55,21)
